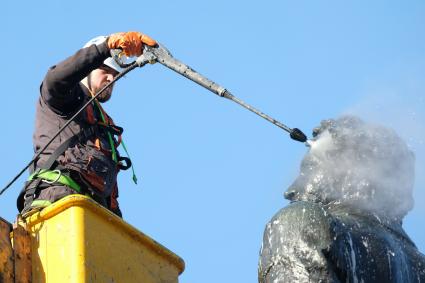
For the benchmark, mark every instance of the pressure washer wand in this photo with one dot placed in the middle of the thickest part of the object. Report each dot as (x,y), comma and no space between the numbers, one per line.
(161,55)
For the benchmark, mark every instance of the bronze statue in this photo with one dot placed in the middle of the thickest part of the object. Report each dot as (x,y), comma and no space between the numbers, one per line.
(344,222)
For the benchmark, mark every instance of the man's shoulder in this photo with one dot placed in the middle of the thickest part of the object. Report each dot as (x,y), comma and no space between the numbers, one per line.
(61,104)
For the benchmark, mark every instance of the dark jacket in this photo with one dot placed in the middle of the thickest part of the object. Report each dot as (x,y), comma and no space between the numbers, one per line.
(62,95)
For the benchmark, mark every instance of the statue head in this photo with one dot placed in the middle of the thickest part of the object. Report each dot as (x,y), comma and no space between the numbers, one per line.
(357,164)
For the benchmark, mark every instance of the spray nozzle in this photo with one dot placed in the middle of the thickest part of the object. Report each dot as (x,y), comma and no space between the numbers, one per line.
(298,135)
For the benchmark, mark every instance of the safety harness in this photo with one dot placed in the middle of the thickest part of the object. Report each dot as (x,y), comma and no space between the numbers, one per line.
(45,172)
(49,173)
(107,121)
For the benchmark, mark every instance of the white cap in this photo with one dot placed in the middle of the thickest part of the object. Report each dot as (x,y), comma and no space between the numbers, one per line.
(110,62)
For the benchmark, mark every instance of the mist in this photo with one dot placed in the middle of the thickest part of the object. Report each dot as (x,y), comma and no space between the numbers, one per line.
(359,165)
(402,111)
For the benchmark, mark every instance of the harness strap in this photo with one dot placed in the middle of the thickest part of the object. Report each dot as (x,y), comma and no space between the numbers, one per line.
(111,140)
(45,174)
(117,131)
(55,176)
(132,166)
(28,192)
(83,135)
(40,203)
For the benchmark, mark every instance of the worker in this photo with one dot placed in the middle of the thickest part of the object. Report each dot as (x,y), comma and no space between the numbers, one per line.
(344,222)
(84,158)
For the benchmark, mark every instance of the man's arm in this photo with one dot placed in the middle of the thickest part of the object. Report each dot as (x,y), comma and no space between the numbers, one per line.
(58,87)
(293,246)
(60,90)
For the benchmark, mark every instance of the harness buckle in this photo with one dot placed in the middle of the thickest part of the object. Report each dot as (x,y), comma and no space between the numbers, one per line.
(87,133)
(113,129)
(55,180)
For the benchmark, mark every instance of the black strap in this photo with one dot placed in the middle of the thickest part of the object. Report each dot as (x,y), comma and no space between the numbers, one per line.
(26,196)
(82,136)
(127,164)
(113,129)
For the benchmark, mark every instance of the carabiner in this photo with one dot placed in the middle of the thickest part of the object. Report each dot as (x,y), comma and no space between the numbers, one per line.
(57,179)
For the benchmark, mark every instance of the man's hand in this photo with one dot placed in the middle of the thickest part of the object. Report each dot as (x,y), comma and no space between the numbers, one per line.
(130,42)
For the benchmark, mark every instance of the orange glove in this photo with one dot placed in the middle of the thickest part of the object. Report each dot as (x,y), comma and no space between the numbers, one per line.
(130,42)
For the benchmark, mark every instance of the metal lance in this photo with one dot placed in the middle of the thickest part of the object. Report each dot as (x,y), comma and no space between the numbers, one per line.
(161,55)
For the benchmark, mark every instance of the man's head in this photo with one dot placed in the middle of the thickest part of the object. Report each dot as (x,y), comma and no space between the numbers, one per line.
(357,164)
(100,77)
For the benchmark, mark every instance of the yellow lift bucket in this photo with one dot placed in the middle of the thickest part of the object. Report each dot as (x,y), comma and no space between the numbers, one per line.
(77,240)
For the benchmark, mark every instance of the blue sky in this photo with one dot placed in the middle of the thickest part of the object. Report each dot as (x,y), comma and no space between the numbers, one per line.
(211,173)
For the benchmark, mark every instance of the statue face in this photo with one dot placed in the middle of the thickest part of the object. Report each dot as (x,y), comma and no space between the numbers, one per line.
(356,164)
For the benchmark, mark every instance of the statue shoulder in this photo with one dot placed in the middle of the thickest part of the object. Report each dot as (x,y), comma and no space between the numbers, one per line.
(301,220)
(293,243)
(305,207)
